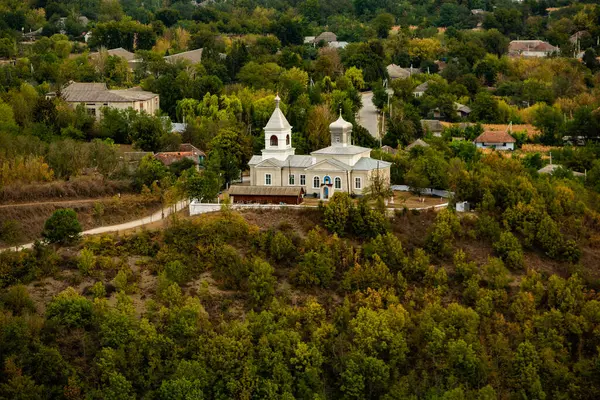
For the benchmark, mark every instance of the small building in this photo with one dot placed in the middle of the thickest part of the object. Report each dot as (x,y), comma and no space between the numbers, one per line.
(433,126)
(186,150)
(266,194)
(462,110)
(326,37)
(498,140)
(421,89)
(463,206)
(95,96)
(551,168)
(417,143)
(531,48)
(396,72)
(389,150)
(192,56)
(338,45)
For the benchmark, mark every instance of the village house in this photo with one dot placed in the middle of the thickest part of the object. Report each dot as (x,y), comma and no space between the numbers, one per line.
(340,167)
(186,151)
(192,56)
(531,48)
(396,72)
(95,96)
(421,89)
(498,140)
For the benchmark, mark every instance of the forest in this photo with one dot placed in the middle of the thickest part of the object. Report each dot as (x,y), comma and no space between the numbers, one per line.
(350,300)
(344,301)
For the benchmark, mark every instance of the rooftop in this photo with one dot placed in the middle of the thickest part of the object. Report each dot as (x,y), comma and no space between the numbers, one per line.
(278,121)
(369,164)
(495,137)
(243,190)
(341,150)
(416,143)
(550,168)
(99,93)
(193,56)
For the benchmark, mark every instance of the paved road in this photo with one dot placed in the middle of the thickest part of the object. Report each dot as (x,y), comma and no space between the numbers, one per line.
(157,216)
(367,115)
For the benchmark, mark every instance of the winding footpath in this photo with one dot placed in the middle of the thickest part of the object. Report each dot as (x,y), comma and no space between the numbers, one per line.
(157,216)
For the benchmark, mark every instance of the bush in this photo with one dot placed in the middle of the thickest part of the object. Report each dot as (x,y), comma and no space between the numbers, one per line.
(261,282)
(487,228)
(176,271)
(98,290)
(86,261)
(509,249)
(70,309)
(441,236)
(315,269)
(11,232)
(18,301)
(374,275)
(62,227)
(281,247)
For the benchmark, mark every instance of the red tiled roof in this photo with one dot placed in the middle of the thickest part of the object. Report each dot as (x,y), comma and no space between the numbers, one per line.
(495,137)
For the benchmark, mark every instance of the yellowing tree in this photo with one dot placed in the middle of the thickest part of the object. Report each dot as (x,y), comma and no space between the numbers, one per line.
(425,49)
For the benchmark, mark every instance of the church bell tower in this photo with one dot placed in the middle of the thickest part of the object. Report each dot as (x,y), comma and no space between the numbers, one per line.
(278,136)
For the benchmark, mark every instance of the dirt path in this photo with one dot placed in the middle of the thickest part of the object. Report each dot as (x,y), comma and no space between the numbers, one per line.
(157,216)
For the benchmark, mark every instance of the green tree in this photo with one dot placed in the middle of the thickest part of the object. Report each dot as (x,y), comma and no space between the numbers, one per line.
(261,282)
(62,227)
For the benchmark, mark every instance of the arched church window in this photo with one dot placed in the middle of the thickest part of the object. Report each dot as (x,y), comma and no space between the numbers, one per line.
(327,180)
(287,140)
(316,182)
(338,182)
(273,140)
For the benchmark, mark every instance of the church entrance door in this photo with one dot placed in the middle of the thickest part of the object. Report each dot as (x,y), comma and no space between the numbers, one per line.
(325,192)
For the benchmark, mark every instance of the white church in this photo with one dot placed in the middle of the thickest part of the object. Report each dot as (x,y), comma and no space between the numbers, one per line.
(339,167)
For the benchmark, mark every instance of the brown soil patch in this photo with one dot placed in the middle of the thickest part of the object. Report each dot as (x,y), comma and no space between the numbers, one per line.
(301,221)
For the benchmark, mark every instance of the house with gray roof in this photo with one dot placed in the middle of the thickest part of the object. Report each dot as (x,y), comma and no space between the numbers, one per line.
(192,56)
(95,96)
(341,166)
(421,89)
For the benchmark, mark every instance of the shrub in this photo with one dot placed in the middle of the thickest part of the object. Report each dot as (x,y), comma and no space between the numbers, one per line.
(549,238)
(509,249)
(86,261)
(495,274)
(315,269)
(441,236)
(70,309)
(261,282)
(62,227)
(389,248)
(18,301)
(281,247)
(11,232)
(121,281)
(337,213)
(98,290)
(228,267)
(176,271)
(487,228)
(374,275)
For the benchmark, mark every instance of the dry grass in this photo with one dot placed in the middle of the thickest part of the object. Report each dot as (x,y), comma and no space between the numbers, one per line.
(61,190)
(105,211)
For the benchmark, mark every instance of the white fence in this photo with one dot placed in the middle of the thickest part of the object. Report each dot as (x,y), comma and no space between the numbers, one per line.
(432,192)
(197,208)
